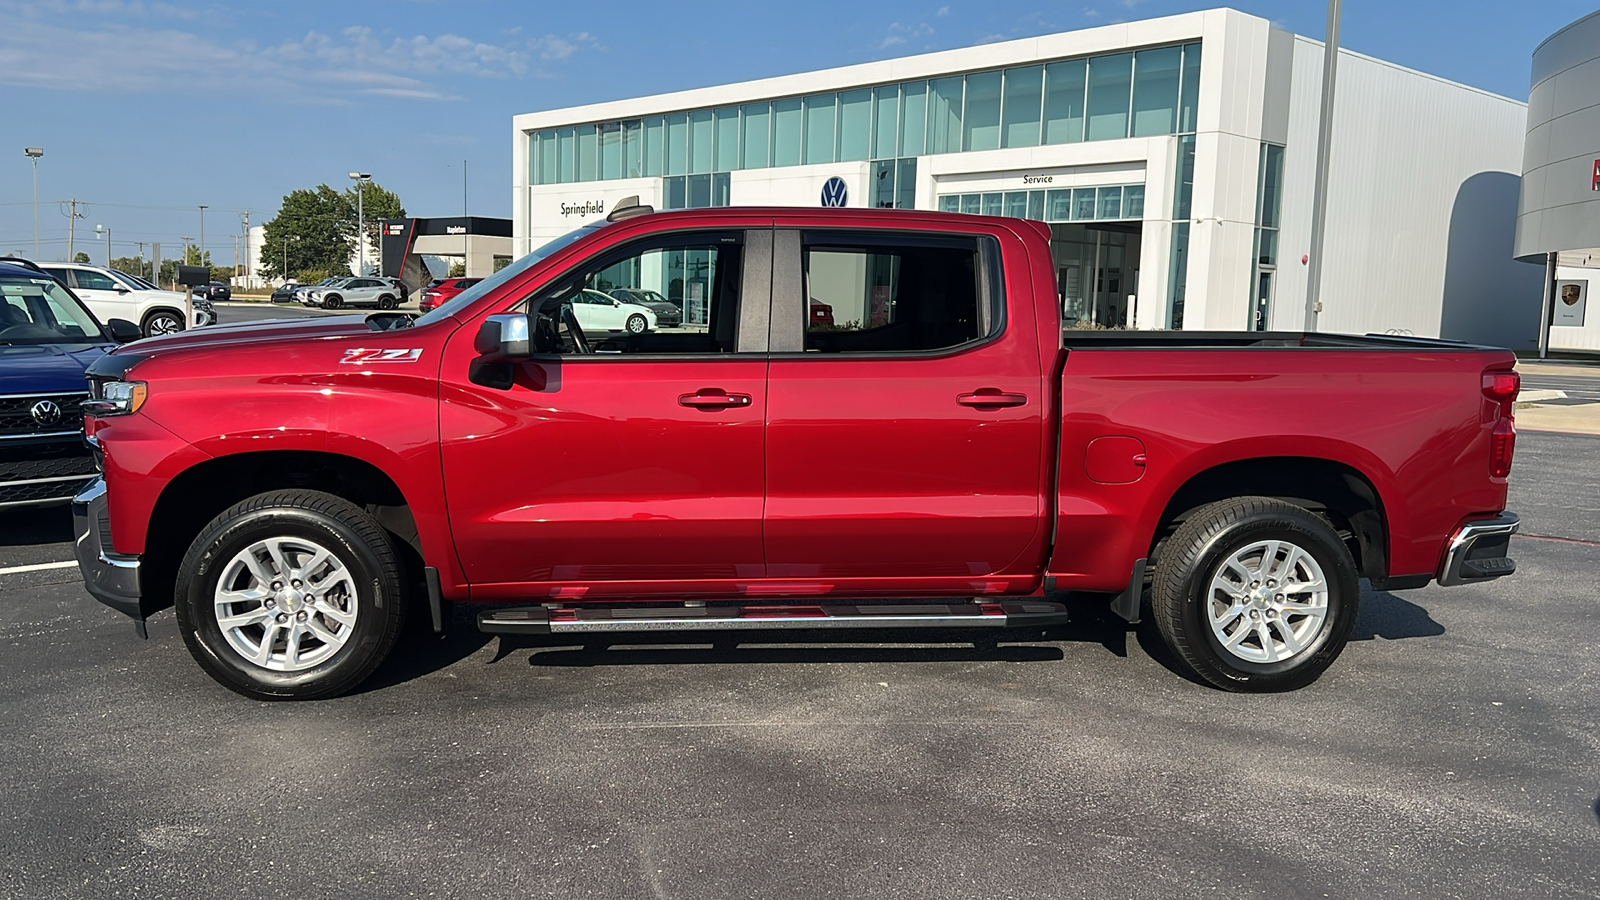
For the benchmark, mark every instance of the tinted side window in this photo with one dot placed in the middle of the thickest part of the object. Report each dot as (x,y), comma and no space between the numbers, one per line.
(877,293)
(698,273)
(94,281)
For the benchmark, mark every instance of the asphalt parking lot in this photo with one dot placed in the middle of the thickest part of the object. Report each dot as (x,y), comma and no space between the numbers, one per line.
(1451,752)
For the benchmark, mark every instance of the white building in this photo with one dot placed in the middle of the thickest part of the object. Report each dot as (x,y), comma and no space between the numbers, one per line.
(1173,157)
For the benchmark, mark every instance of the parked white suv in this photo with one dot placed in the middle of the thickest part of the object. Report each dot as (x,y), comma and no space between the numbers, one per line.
(356,292)
(111,294)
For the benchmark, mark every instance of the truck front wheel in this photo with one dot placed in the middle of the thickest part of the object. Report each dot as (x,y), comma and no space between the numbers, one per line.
(1255,594)
(290,595)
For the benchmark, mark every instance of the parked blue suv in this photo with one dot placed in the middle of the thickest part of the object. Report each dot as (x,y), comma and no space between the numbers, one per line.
(47,339)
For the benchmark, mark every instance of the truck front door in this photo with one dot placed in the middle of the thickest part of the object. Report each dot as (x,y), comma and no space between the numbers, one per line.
(624,464)
(905,432)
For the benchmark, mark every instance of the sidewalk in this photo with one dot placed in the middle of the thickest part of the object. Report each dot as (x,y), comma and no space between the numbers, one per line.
(1555,410)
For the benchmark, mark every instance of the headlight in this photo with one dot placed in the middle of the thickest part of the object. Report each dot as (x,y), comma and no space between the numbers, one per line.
(117,398)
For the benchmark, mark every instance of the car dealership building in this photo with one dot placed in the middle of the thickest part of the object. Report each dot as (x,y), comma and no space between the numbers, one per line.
(1174,159)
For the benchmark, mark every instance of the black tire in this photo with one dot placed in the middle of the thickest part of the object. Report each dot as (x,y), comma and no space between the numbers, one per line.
(332,301)
(352,537)
(162,321)
(636,324)
(386,302)
(1181,594)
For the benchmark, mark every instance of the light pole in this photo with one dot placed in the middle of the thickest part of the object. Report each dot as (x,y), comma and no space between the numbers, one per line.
(101,229)
(202,248)
(361,178)
(33,154)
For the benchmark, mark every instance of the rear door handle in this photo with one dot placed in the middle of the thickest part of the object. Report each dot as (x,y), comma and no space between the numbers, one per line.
(713,398)
(991,398)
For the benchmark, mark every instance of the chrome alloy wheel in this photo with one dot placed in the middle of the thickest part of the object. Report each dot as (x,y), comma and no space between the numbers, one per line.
(165,324)
(1267,602)
(286,604)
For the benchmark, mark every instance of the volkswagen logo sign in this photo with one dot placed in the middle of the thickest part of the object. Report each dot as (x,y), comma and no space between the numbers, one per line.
(46,412)
(835,192)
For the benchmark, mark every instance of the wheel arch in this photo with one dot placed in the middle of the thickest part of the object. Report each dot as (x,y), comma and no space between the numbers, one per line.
(1343,494)
(199,493)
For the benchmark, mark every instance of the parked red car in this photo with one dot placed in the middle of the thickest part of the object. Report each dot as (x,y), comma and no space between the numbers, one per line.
(438,292)
(937,455)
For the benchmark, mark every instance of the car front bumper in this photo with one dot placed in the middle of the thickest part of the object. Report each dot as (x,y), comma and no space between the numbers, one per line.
(1479,551)
(110,578)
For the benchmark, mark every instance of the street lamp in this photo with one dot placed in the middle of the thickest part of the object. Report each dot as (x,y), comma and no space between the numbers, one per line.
(101,229)
(361,178)
(202,248)
(33,154)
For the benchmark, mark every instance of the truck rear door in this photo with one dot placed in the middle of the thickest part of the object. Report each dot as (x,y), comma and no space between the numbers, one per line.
(905,427)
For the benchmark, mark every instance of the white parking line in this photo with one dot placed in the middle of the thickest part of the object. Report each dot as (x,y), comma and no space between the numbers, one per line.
(16,570)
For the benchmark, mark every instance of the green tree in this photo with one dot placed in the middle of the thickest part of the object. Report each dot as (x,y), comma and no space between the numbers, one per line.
(315,229)
(80,257)
(133,265)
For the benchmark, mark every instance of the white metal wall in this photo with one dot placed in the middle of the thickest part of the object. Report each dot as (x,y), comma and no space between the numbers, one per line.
(1423,185)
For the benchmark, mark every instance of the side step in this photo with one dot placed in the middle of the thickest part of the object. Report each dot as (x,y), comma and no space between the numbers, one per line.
(566,620)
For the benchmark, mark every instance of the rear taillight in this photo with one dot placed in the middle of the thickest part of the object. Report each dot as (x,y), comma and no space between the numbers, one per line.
(1501,387)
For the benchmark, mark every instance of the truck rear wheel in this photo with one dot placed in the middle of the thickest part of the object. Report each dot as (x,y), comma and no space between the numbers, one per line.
(290,595)
(1256,594)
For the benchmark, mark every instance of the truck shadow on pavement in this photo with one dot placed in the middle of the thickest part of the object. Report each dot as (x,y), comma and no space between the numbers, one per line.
(31,527)
(1383,615)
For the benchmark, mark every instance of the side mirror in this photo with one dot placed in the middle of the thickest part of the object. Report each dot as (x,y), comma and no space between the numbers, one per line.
(505,336)
(123,331)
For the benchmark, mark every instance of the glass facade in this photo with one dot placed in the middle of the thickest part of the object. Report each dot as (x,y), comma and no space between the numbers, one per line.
(1133,94)
(1116,202)
(1269,195)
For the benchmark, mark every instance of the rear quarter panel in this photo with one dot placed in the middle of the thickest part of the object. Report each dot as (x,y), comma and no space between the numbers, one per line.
(1414,423)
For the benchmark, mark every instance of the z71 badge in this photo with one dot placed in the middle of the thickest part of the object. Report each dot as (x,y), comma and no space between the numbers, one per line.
(361,356)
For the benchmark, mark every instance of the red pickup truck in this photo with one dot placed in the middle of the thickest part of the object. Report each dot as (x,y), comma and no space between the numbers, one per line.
(934,452)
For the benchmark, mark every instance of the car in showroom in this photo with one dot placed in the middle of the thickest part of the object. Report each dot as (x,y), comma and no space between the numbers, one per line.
(47,339)
(111,294)
(668,314)
(440,291)
(598,311)
(356,292)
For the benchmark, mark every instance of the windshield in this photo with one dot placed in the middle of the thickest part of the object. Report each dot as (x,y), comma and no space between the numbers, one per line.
(471,294)
(129,281)
(40,311)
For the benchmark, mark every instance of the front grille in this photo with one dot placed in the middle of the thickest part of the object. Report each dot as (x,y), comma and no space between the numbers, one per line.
(81,463)
(17,419)
(49,490)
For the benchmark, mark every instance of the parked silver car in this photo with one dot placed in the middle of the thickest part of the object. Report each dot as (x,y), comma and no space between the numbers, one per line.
(356,292)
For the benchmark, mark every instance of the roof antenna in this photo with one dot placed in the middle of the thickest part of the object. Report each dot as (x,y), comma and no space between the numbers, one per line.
(627,208)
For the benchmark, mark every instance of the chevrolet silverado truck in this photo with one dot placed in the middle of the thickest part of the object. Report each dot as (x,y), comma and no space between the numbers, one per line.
(933,453)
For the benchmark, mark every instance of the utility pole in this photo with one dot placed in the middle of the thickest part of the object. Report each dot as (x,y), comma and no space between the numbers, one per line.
(1319,200)
(73,215)
(186,239)
(248,274)
(33,154)
(361,178)
(466,226)
(141,261)
(202,260)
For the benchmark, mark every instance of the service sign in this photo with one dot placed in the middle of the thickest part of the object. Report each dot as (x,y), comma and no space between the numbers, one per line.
(1571,297)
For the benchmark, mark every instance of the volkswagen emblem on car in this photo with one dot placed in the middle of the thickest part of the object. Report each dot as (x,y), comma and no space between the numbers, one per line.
(835,192)
(46,412)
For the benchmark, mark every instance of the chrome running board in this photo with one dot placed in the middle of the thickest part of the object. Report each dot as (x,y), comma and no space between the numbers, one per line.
(567,619)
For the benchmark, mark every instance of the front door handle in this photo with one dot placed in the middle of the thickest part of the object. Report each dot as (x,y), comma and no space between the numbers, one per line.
(713,398)
(991,398)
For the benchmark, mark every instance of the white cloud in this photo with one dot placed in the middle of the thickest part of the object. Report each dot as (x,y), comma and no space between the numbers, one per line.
(900,33)
(943,11)
(317,68)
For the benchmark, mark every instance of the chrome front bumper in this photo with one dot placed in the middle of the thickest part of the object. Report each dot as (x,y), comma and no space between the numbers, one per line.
(110,578)
(1479,551)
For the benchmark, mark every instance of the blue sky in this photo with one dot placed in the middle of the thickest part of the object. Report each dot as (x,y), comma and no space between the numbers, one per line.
(148,109)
